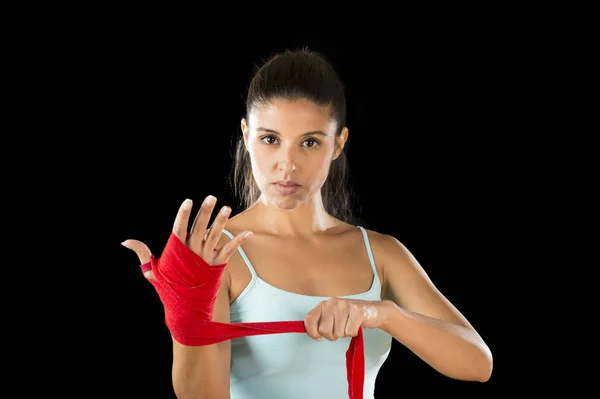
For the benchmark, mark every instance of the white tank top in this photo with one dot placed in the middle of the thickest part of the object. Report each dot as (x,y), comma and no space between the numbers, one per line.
(294,366)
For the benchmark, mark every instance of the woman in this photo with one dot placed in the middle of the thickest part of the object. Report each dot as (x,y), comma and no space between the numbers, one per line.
(293,253)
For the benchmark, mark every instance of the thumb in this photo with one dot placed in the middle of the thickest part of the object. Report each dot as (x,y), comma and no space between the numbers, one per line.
(143,253)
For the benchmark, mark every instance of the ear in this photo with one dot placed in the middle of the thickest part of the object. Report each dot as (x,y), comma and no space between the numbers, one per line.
(245,130)
(340,142)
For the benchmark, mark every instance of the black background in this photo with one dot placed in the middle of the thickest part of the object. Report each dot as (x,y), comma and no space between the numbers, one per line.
(436,148)
(426,125)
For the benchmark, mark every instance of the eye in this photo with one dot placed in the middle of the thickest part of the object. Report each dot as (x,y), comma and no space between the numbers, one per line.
(269,139)
(313,142)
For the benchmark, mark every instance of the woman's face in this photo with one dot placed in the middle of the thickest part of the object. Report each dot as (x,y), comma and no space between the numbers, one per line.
(291,146)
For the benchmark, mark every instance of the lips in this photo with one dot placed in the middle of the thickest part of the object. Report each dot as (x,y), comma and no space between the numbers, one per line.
(287,183)
(286,187)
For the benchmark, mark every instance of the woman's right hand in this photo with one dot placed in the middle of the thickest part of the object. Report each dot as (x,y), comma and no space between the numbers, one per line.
(202,240)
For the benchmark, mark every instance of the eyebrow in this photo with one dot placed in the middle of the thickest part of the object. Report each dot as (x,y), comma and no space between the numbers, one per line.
(264,129)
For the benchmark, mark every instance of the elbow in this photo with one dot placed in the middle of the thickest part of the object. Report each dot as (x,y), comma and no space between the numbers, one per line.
(478,368)
(486,366)
(484,376)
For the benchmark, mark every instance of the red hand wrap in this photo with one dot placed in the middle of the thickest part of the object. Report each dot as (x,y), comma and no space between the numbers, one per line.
(187,287)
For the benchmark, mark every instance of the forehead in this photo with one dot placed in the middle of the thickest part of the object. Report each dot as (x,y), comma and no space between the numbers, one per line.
(292,116)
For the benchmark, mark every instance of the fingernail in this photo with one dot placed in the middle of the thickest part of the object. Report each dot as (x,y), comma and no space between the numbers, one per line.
(210,200)
(187,204)
(248,234)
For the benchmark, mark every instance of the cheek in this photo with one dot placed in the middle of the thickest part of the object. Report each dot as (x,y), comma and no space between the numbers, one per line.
(259,159)
(325,159)
(318,169)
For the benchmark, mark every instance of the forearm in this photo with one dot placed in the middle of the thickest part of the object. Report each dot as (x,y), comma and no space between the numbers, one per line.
(453,350)
(198,373)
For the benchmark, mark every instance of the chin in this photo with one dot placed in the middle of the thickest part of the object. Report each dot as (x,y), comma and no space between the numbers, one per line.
(285,203)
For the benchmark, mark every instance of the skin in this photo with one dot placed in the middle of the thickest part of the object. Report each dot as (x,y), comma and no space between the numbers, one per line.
(281,234)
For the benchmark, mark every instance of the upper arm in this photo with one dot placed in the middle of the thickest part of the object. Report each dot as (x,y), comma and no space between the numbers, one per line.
(408,285)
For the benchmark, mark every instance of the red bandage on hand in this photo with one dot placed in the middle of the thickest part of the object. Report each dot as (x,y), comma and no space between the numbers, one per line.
(188,286)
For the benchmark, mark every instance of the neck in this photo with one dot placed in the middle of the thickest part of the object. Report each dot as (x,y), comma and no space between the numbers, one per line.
(304,220)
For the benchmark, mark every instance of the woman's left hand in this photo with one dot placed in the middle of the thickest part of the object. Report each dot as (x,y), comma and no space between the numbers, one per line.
(338,317)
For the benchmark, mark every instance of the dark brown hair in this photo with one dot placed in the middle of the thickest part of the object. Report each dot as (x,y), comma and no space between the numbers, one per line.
(298,74)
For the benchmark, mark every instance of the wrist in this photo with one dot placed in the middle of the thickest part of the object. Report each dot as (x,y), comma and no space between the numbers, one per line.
(387,311)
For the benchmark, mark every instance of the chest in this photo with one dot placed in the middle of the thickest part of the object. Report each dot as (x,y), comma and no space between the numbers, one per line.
(329,267)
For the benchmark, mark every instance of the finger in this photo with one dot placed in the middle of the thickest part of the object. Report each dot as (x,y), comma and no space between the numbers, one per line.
(311,323)
(354,323)
(200,225)
(216,230)
(144,255)
(340,320)
(182,219)
(228,249)
(326,324)
(141,250)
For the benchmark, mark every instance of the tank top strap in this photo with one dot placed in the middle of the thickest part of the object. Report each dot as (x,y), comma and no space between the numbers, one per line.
(369,251)
(365,239)
(243,254)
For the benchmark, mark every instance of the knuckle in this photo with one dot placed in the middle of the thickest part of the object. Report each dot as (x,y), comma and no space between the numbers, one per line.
(221,255)
(227,250)
(311,331)
(205,209)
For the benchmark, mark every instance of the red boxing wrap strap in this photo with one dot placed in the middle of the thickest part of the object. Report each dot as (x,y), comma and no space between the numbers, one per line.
(188,286)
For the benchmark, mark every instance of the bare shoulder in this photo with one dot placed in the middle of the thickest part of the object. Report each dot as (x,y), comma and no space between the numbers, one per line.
(387,247)
(391,255)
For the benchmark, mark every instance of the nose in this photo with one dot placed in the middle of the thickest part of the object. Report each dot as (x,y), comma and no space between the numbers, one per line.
(287,166)
(286,163)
